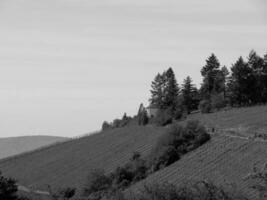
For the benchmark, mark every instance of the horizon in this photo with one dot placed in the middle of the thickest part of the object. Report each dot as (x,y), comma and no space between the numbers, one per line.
(66,66)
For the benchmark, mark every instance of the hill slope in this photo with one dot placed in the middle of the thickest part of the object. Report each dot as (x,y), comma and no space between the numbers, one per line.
(17,145)
(68,163)
(223,160)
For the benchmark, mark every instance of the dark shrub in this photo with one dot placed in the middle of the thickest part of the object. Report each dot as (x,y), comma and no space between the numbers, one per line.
(205,106)
(106,126)
(98,183)
(165,156)
(218,102)
(163,117)
(8,188)
(177,141)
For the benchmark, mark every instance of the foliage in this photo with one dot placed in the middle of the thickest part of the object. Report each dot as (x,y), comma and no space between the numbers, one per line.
(212,77)
(205,106)
(165,92)
(190,95)
(117,123)
(142,116)
(98,183)
(8,188)
(218,102)
(163,117)
(177,141)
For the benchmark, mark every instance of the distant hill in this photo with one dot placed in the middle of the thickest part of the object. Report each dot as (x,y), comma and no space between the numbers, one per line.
(225,158)
(16,145)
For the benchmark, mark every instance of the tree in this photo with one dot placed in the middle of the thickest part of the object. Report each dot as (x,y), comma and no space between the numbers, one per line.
(157,91)
(225,79)
(190,95)
(171,91)
(165,92)
(8,188)
(106,126)
(142,115)
(210,73)
(255,63)
(241,83)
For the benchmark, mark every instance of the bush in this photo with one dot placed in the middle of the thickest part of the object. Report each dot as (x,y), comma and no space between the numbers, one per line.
(8,188)
(177,141)
(97,185)
(205,106)
(163,117)
(218,102)
(164,157)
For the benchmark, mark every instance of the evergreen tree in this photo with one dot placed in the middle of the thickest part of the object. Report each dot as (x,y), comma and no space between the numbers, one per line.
(142,116)
(190,95)
(256,63)
(211,74)
(171,91)
(225,79)
(157,91)
(240,83)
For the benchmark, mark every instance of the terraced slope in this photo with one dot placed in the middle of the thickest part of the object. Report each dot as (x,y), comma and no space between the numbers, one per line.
(68,164)
(223,160)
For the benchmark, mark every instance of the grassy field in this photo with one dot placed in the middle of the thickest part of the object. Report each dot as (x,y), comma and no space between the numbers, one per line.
(224,158)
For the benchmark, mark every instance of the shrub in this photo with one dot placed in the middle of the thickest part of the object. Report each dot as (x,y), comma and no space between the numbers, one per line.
(163,117)
(164,157)
(177,141)
(218,102)
(205,106)
(97,185)
(106,126)
(8,188)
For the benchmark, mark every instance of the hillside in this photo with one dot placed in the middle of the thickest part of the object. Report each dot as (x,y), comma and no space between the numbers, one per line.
(69,163)
(225,158)
(17,145)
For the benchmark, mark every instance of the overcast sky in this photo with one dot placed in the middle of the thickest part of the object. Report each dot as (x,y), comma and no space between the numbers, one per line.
(68,65)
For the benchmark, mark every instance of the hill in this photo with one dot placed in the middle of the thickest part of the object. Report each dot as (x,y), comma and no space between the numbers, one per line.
(68,163)
(16,145)
(224,160)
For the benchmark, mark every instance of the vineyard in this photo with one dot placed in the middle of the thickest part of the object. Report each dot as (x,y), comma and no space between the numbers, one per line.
(68,163)
(224,160)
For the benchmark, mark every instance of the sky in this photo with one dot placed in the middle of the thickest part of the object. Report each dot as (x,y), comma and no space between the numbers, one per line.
(68,65)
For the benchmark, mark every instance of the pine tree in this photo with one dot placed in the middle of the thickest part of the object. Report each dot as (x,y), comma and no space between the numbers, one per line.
(256,63)
(171,91)
(142,116)
(190,95)
(157,91)
(210,75)
(225,79)
(240,83)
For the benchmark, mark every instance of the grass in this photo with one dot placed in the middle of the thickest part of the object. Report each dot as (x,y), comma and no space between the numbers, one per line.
(224,159)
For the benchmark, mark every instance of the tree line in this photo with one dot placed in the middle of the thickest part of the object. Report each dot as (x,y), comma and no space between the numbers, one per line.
(243,84)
